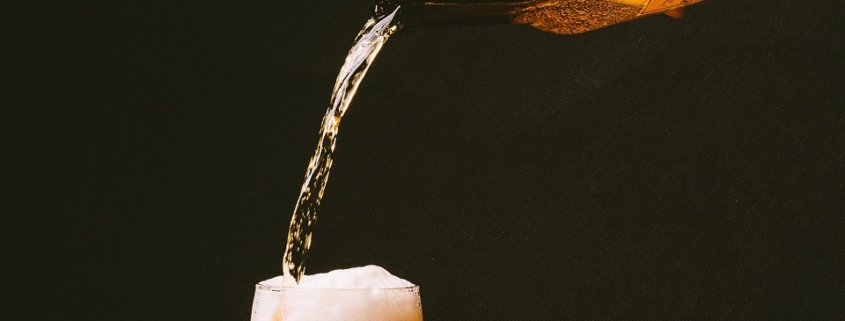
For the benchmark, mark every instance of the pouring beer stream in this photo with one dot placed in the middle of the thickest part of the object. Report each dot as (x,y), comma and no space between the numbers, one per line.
(392,16)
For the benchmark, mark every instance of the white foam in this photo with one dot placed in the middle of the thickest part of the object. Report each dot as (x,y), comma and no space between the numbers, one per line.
(363,277)
(364,293)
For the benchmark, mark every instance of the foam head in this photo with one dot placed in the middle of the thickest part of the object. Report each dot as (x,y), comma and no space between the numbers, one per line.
(367,293)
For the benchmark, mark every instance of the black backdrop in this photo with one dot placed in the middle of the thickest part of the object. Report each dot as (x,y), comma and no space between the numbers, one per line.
(657,169)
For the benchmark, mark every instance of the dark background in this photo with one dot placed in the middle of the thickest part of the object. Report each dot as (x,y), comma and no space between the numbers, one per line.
(657,169)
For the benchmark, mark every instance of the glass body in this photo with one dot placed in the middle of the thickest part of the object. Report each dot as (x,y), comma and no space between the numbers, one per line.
(275,303)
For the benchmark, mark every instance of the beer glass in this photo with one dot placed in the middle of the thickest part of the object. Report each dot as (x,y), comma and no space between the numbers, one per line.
(276,303)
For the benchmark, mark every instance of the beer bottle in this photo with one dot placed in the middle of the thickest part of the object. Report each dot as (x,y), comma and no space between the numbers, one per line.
(557,16)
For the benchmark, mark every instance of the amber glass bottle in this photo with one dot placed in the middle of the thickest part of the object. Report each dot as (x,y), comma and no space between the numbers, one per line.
(558,16)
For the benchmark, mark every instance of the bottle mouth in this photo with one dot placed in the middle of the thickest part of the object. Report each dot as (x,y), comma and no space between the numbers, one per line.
(414,14)
(406,11)
(383,7)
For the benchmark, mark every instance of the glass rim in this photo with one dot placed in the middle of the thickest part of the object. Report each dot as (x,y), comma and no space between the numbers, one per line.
(279,288)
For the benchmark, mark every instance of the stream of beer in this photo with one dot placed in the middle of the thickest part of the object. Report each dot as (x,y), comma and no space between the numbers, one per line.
(364,50)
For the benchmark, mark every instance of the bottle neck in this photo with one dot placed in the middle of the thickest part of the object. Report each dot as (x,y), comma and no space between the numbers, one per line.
(416,14)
